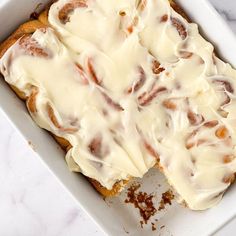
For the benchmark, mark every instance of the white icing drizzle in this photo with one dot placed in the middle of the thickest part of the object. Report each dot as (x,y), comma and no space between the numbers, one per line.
(130,83)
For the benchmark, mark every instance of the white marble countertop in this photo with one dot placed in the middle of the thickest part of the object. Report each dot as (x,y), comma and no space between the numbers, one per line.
(32,202)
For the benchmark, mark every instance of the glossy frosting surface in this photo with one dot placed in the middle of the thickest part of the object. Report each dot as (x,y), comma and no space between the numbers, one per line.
(129,84)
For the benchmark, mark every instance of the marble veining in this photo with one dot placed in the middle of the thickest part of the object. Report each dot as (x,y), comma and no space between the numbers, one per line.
(227,9)
(32,202)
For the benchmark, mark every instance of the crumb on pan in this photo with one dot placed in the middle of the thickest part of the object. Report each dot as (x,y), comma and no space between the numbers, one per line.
(31,145)
(142,201)
(166,198)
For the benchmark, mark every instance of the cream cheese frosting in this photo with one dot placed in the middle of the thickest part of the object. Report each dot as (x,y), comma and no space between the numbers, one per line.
(130,84)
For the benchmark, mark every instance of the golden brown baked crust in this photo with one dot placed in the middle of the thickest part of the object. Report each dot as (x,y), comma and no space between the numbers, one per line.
(117,187)
(26,29)
(43,17)
(178,9)
(29,28)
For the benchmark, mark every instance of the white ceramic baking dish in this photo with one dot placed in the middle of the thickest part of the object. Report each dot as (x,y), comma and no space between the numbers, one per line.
(114,216)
